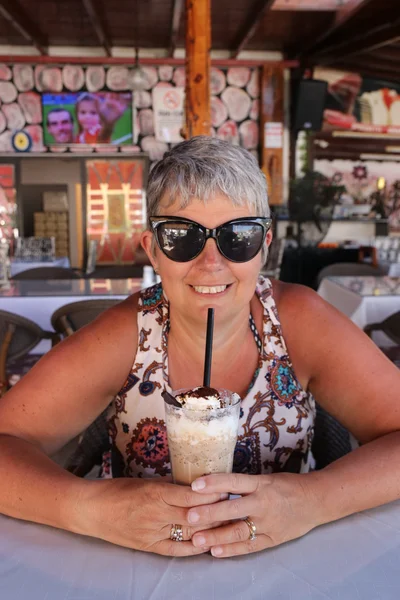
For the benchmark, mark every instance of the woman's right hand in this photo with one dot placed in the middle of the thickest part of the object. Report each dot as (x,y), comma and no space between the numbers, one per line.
(139,513)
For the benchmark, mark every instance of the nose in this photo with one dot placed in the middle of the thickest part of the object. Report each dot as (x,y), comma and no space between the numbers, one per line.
(211,257)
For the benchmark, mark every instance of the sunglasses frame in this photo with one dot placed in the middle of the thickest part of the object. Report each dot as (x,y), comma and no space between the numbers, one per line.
(155,222)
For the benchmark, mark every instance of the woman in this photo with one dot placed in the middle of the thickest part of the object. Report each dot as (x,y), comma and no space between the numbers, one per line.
(277,345)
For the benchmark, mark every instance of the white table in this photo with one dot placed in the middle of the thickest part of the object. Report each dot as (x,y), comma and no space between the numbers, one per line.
(364,300)
(17,266)
(37,300)
(355,558)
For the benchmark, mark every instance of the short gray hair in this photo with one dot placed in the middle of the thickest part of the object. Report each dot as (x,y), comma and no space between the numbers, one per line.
(203,166)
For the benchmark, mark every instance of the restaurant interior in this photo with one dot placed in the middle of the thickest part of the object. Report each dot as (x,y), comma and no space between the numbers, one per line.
(311,88)
(92,94)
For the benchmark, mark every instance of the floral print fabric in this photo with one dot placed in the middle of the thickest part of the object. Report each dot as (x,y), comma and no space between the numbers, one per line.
(276,419)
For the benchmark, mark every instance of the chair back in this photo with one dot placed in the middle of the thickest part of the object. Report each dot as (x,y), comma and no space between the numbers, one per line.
(331,440)
(44,273)
(116,272)
(390,327)
(348,269)
(18,336)
(71,317)
(90,448)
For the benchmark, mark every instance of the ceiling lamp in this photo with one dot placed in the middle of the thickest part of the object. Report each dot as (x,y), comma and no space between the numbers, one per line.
(138,77)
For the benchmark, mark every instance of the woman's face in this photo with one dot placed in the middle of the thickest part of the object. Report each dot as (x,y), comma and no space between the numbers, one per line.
(210,268)
(88,116)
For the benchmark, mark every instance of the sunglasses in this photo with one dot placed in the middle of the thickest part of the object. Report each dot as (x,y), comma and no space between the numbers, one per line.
(238,240)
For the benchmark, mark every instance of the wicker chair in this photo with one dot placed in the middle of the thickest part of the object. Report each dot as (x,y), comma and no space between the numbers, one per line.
(390,327)
(18,336)
(331,440)
(47,273)
(71,317)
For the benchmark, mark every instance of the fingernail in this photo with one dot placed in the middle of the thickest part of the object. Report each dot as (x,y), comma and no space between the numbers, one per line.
(217,551)
(193,517)
(224,496)
(199,540)
(198,484)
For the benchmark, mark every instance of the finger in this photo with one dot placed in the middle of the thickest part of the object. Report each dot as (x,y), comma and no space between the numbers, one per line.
(228,534)
(183,496)
(235,483)
(237,508)
(260,543)
(171,548)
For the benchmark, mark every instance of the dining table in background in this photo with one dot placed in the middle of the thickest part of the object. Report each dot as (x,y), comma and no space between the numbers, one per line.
(18,265)
(356,557)
(38,299)
(364,300)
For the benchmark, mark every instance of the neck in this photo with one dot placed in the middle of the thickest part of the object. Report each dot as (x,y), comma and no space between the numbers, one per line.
(188,338)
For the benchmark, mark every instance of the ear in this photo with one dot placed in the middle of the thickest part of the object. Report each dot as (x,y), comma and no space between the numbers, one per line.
(268,237)
(146,241)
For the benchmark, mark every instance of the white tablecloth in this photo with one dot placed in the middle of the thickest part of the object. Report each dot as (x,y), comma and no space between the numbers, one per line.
(362,310)
(355,558)
(37,300)
(22,265)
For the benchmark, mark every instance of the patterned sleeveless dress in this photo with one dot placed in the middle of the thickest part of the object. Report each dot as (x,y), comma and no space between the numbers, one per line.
(276,419)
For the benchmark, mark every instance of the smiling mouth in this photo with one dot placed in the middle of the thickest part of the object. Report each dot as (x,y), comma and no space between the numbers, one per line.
(206,289)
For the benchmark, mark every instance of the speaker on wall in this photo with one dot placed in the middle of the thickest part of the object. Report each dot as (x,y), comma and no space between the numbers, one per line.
(308,104)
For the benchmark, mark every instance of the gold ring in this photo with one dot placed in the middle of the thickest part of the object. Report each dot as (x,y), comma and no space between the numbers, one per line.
(176,533)
(252,528)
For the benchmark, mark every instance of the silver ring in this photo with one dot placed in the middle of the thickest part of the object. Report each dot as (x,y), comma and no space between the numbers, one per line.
(176,533)
(252,528)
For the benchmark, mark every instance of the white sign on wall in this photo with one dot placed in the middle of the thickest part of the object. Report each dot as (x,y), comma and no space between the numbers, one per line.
(168,107)
(273,135)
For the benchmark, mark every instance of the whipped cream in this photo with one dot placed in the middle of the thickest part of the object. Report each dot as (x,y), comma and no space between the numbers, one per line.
(204,398)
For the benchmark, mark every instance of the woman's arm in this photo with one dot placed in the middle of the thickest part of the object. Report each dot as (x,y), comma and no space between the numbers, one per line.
(351,378)
(53,403)
(355,382)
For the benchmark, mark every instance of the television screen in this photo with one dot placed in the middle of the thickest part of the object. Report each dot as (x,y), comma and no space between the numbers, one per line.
(87,118)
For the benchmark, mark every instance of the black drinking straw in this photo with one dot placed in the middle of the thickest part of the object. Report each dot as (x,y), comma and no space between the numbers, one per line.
(209,340)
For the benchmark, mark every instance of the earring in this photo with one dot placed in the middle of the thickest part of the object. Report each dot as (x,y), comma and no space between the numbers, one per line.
(155,269)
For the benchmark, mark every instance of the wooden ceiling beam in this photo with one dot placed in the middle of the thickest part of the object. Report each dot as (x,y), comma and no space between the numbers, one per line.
(389,54)
(354,67)
(14,13)
(342,16)
(368,62)
(175,24)
(382,35)
(252,23)
(97,25)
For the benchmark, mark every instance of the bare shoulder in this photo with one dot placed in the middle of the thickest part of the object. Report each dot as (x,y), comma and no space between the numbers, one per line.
(300,308)
(333,358)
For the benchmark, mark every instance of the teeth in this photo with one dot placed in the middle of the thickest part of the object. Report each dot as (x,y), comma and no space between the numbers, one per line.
(216,289)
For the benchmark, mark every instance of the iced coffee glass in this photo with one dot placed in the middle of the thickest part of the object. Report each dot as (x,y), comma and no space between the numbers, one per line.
(202,433)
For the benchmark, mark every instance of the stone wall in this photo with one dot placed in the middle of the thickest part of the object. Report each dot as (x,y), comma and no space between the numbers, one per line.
(234,102)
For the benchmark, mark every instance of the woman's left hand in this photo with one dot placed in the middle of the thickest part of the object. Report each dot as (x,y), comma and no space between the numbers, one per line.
(281,506)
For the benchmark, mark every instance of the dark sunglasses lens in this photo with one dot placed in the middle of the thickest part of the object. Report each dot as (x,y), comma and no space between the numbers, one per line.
(241,242)
(180,241)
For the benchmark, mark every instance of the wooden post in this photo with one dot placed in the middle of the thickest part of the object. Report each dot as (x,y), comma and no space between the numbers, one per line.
(272,130)
(198,41)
